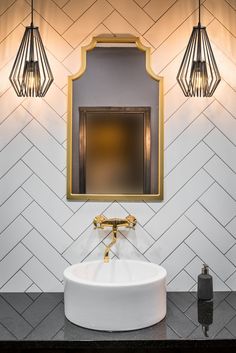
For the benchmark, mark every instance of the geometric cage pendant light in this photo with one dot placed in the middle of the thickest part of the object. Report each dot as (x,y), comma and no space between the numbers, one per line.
(31,75)
(198,75)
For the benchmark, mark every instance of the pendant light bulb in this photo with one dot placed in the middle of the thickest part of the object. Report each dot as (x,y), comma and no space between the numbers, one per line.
(31,78)
(198,75)
(31,75)
(198,79)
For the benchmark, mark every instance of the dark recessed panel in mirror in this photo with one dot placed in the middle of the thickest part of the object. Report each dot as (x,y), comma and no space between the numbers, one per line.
(114,150)
(115,126)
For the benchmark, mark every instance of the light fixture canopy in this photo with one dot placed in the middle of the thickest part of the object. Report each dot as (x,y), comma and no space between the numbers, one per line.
(31,75)
(198,75)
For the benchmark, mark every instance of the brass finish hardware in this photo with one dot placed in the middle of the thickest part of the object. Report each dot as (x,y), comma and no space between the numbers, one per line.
(102,222)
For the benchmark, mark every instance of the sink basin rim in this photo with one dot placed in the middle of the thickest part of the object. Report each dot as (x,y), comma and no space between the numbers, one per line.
(69,275)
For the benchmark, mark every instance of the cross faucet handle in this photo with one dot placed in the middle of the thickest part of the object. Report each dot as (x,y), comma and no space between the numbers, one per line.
(131,220)
(98,220)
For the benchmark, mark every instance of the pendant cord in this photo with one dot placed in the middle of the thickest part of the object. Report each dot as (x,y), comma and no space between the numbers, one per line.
(31,57)
(199,14)
(32,12)
(199,45)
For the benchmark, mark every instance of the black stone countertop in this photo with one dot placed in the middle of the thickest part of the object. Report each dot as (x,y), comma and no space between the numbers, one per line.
(36,322)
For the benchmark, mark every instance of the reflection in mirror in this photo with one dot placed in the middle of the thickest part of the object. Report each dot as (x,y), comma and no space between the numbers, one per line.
(205,315)
(114,154)
(115,132)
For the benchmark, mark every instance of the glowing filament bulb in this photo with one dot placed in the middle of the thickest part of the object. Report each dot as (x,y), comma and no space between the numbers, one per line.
(31,78)
(198,79)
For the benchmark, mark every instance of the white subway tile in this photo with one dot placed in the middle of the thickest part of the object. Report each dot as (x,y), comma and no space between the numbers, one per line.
(123,249)
(46,171)
(13,262)
(132,12)
(231,255)
(222,147)
(75,8)
(43,278)
(210,254)
(182,119)
(45,253)
(223,12)
(13,17)
(9,101)
(18,283)
(186,142)
(13,207)
(178,204)
(57,99)
(183,172)
(84,217)
(47,117)
(231,227)
(225,94)
(181,283)
(11,181)
(222,174)
(13,152)
(46,144)
(231,282)
(170,240)
(177,261)
(140,210)
(13,234)
(53,14)
(47,200)
(219,203)
(47,227)
(138,237)
(85,244)
(155,11)
(13,125)
(87,22)
(169,22)
(222,119)
(210,227)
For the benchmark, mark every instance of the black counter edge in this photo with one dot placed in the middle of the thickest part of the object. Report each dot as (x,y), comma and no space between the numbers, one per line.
(71,345)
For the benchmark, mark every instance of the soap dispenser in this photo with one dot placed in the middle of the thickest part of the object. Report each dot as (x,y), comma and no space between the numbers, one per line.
(205,285)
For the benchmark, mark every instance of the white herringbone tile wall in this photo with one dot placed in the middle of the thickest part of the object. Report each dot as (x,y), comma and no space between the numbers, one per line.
(41,233)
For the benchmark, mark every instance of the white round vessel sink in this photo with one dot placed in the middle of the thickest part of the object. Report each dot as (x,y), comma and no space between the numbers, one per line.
(120,295)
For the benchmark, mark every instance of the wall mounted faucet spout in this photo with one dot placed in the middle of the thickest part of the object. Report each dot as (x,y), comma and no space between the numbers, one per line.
(103,222)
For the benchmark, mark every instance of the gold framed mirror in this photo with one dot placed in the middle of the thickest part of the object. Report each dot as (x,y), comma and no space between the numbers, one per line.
(115,124)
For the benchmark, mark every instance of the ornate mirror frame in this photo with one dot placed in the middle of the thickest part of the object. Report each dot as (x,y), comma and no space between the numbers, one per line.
(160,99)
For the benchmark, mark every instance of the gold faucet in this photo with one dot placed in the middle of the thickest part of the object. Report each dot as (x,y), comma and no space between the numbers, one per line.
(102,222)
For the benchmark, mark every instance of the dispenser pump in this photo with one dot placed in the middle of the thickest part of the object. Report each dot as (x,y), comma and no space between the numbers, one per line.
(205,284)
(205,269)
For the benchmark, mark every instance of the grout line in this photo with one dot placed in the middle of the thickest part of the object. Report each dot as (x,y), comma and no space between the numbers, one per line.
(75,20)
(178,192)
(18,160)
(210,266)
(221,186)
(20,269)
(189,125)
(48,313)
(215,126)
(215,153)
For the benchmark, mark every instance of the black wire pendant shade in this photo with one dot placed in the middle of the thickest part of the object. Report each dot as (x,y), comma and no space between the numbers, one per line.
(198,75)
(31,75)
